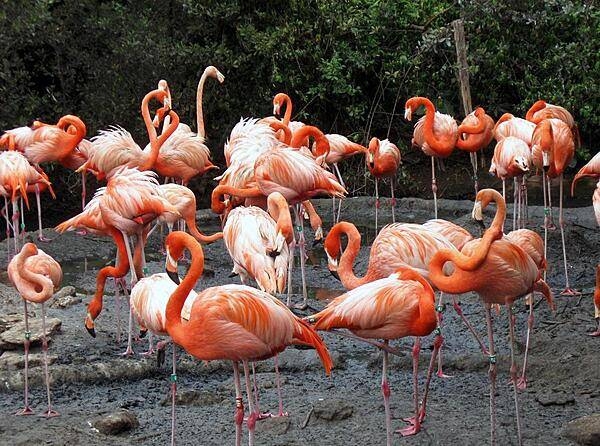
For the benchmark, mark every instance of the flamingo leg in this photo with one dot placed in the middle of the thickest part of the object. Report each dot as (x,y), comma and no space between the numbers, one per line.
(459,311)
(526,202)
(173,392)
(151,349)
(504,189)
(552,225)
(515,202)
(278,380)
(15,224)
(393,200)
(522,382)
(239,404)
(441,307)
(513,369)
(385,391)
(473,156)
(415,422)
(492,374)
(437,344)
(118,308)
(377,204)
(83,189)
(8,227)
(290,269)
(546,219)
(252,415)
(561,222)
(339,175)
(129,351)
(26,410)
(302,245)
(134,277)
(22,214)
(50,412)
(40,236)
(434,187)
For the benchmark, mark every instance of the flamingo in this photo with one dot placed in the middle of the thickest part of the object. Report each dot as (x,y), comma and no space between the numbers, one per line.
(435,133)
(500,272)
(251,324)
(149,298)
(184,154)
(36,276)
(16,176)
(552,150)
(509,125)
(541,110)
(258,248)
(591,169)
(400,305)
(115,147)
(511,159)
(383,159)
(457,235)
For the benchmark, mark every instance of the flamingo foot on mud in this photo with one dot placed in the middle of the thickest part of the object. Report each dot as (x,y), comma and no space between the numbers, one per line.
(25,411)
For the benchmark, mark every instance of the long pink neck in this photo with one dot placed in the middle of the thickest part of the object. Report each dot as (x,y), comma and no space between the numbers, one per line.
(537,106)
(173,311)
(345,269)
(157,142)
(72,140)
(34,287)
(279,210)
(442,147)
(217,204)
(287,117)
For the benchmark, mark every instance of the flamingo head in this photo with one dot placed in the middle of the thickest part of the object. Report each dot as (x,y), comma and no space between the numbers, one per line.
(212,71)
(333,248)
(278,102)
(522,163)
(410,107)
(373,148)
(477,214)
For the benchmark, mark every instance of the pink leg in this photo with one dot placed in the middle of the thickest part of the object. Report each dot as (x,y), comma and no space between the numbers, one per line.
(473,156)
(281,412)
(513,370)
(239,404)
(150,347)
(491,374)
(434,186)
(302,245)
(546,218)
(26,410)
(459,311)
(40,237)
(385,391)
(437,344)
(393,201)
(597,332)
(441,307)
(252,414)
(118,306)
(568,290)
(83,190)
(415,427)
(292,247)
(50,412)
(173,392)
(377,204)
(522,382)
(129,351)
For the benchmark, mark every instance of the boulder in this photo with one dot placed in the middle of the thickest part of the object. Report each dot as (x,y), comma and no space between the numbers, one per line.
(116,422)
(585,430)
(14,337)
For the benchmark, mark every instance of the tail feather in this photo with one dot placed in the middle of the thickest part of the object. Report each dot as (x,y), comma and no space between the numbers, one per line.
(543,288)
(306,335)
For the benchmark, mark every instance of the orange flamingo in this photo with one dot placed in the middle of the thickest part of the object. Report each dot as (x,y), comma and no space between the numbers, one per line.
(383,159)
(36,276)
(591,169)
(256,242)
(500,272)
(541,110)
(252,325)
(400,305)
(435,133)
(509,125)
(511,159)
(552,150)
(115,147)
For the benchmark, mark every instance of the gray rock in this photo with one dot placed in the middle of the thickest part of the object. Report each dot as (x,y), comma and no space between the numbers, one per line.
(14,337)
(65,298)
(333,409)
(116,422)
(585,430)
(555,399)
(193,398)
(8,320)
(64,292)
(274,425)
(13,360)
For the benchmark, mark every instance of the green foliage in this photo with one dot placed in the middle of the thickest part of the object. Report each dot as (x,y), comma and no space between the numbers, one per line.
(348,65)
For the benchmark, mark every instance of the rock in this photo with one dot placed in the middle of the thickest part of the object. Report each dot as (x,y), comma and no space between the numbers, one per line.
(193,398)
(274,425)
(116,422)
(14,337)
(8,320)
(333,409)
(585,430)
(13,360)
(65,298)
(555,399)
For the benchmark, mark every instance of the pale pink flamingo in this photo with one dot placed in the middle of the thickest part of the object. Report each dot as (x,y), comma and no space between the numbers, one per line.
(512,158)
(500,272)
(435,133)
(383,160)
(36,276)
(251,324)
(552,150)
(591,169)
(400,305)
(509,125)
(541,110)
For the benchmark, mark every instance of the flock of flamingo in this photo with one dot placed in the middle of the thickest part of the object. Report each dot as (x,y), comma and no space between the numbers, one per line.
(274,167)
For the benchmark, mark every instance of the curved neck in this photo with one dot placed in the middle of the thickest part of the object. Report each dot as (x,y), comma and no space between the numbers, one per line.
(321,143)
(472,144)
(150,158)
(287,133)
(500,216)
(288,107)
(202,238)
(37,286)
(505,117)
(537,106)
(218,205)
(443,148)
(345,268)
(279,210)
(73,138)
(173,311)
(156,143)
(546,135)
(199,94)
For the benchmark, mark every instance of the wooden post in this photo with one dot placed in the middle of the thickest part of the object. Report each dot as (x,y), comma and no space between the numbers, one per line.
(463,77)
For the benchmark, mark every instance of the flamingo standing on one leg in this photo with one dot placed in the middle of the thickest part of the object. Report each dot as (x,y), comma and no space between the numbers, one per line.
(36,276)
(500,272)
(511,159)
(435,133)
(552,150)
(383,160)
(400,305)
(251,324)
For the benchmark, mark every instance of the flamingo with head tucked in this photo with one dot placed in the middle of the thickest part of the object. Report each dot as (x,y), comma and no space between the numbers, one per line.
(36,276)
(541,110)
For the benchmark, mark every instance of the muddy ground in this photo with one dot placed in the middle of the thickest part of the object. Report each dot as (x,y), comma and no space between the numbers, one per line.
(90,379)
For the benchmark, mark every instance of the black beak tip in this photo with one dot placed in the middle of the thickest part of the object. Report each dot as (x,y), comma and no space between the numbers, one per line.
(317,242)
(335,274)
(173,276)
(546,168)
(143,332)
(91,331)
(273,253)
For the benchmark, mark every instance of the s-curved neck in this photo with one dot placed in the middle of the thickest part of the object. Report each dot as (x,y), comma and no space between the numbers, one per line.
(441,147)
(150,158)
(156,143)
(345,269)
(73,138)
(279,210)
(217,204)
(537,106)
(173,311)
(287,133)
(282,97)
(34,287)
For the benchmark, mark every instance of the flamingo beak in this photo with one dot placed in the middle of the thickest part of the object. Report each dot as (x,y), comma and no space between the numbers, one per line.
(171,268)
(408,113)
